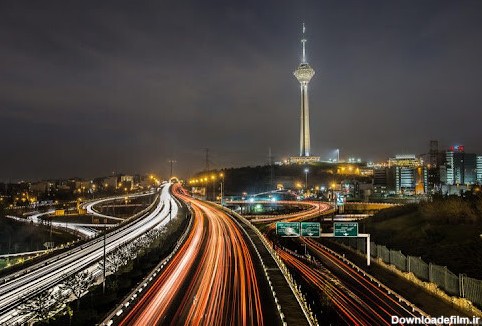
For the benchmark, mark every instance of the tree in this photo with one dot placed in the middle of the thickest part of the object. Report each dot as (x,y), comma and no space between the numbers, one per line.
(78,284)
(113,262)
(44,306)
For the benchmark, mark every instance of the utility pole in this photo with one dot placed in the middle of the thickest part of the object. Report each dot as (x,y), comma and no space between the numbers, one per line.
(103,278)
(50,238)
(207,159)
(271,168)
(222,187)
(171,162)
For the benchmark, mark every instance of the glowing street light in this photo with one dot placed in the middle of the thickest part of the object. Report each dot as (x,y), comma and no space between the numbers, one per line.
(221,175)
(306,177)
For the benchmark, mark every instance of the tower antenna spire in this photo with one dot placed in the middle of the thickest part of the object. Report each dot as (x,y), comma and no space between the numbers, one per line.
(303,42)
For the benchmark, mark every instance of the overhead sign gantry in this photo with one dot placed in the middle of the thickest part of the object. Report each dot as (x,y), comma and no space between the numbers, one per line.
(313,229)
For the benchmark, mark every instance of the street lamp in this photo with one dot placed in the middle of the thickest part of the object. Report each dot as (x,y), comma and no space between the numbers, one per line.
(306,177)
(221,175)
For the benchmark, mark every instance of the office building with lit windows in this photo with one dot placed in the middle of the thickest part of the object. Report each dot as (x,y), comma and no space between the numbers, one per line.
(460,168)
(404,175)
(410,175)
(479,170)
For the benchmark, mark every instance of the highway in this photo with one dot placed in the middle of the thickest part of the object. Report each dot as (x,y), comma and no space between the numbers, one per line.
(210,281)
(90,206)
(357,300)
(315,209)
(17,288)
(83,230)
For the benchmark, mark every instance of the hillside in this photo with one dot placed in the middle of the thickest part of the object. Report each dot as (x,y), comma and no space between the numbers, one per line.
(446,232)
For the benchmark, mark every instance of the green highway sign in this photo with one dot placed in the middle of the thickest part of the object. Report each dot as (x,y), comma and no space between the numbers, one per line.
(310,229)
(288,229)
(345,229)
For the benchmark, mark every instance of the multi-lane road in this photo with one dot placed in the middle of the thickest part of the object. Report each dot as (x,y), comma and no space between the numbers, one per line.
(313,209)
(214,277)
(212,280)
(16,288)
(357,299)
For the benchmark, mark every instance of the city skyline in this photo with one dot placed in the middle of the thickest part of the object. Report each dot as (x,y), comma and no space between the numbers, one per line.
(88,89)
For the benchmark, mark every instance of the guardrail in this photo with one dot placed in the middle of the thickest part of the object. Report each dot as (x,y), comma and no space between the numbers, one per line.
(460,285)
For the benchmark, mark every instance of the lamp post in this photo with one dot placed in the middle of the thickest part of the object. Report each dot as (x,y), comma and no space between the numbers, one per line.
(334,198)
(213,180)
(222,187)
(103,270)
(306,178)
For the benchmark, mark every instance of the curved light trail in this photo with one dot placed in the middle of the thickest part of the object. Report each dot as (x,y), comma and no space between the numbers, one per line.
(361,285)
(315,209)
(357,300)
(16,288)
(90,205)
(210,281)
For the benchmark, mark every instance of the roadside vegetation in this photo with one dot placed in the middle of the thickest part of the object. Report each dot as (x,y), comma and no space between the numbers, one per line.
(446,231)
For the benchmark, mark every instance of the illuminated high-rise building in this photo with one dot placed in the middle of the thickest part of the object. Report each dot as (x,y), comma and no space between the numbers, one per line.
(410,174)
(460,167)
(479,169)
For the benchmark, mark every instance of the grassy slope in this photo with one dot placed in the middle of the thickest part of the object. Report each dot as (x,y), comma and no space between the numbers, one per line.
(17,236)
(459,247)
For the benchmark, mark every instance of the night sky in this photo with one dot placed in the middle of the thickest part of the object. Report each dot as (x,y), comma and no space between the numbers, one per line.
(92,87)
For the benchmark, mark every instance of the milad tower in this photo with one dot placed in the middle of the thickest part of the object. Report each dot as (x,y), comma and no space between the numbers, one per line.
(304,73)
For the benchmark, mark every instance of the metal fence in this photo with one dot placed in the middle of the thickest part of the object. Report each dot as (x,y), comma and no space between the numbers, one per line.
(458,285)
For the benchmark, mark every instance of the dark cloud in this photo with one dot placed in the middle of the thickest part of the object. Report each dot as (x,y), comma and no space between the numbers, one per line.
(91,87)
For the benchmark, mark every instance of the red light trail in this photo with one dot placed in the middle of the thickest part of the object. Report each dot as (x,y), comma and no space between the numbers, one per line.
(210,281)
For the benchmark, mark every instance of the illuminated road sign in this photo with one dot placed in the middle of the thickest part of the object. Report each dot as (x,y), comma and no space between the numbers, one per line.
(345,229)
(310,229)
(288,229)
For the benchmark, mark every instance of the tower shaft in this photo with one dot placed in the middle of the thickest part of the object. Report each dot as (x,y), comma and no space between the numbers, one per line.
(304,122)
